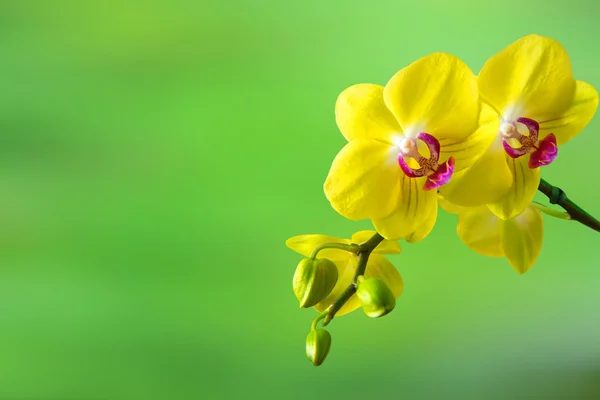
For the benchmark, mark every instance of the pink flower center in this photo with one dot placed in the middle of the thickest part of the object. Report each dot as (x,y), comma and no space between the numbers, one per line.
(542,152)
(437,175)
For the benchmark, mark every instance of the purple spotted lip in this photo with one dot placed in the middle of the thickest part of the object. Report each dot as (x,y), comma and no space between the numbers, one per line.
(543,152)
(437,175)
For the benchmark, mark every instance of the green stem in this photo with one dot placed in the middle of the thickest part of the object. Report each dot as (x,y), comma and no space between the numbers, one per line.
(352,248)
(557,196)
(370,244)
(365,250)
(316,320)
(339,303)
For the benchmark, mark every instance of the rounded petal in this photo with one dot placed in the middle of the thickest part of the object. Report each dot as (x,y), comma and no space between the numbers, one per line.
(414,207)
(361,113)
(487,181)
(424,229)
(575,118)
(525,184)
(305,244)
(530,77)
(449,207)
(385,247)
(436,94)
(481,231)
(364,180)
(467,150)
(379,267)
(362,236)
(522,239)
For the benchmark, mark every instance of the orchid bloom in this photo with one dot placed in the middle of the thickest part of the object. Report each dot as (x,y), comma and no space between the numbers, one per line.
(406,140)
(539,107)
(377,267)
(519,239)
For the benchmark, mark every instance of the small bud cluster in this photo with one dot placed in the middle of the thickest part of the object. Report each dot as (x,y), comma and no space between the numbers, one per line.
(313,282)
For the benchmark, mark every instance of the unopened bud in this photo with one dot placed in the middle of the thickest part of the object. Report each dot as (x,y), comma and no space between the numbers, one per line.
(314,280)
(318,343)
(375,297)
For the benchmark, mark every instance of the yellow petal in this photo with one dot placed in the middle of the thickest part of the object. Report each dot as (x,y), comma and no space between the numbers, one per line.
(362,236)
(481,231)
(575,118)
(361,113)
(305,244)
(486,181)
(530,77)
(436,94)
(467,150)
(414,207)
(424,229)
(449,207)
(525,183)
(522,239)
(364,180)
(385,247)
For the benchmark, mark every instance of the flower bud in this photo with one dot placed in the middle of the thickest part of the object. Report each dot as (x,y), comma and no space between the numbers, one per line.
(318,343)
(375,297)
(314,280)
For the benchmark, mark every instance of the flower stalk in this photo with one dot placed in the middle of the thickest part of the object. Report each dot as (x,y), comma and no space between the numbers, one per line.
(557,196)
(364,252)
(351,248)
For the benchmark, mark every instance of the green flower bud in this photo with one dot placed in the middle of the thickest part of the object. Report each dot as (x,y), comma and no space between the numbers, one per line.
(318,343)
(314,280)
(375,297)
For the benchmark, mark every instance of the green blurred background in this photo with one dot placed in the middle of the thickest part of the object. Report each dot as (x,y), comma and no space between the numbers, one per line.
(155,156)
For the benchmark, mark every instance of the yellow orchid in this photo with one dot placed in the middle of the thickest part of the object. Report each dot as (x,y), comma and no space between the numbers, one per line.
(406,140)
(438,136)
(377,267)
(539,107)
(519,239)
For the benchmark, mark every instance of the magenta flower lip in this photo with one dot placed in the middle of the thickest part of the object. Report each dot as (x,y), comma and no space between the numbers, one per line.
(437,175)
(542,152)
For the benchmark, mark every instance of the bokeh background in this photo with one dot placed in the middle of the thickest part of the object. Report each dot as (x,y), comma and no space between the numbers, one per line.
(155,156)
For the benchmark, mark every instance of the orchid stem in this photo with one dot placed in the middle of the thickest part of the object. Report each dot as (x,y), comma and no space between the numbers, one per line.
(352,248)
(316,320)
(364,252)
(557,196)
